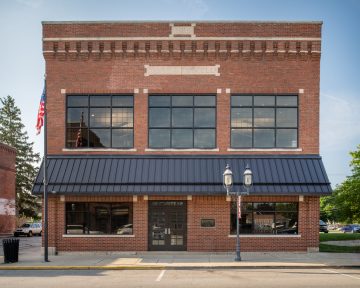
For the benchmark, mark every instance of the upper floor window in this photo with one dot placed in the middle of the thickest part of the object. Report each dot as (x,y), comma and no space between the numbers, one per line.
(182,121)
(105,121)
(264,121)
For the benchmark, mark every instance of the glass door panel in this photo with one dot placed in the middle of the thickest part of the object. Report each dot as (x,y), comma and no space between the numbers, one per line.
(167,225)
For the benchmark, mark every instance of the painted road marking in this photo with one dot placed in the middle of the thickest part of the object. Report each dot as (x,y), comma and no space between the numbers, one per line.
(341,274)
(158,279)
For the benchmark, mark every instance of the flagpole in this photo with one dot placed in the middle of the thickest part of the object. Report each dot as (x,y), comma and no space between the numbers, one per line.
(46,254)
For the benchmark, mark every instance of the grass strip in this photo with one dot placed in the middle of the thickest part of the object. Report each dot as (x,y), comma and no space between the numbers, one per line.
(338,249)
(338,236)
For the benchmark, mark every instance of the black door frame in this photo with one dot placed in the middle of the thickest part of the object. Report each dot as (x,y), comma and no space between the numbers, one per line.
(167,210)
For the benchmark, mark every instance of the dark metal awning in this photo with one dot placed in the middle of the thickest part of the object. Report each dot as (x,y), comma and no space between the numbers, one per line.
(182,174)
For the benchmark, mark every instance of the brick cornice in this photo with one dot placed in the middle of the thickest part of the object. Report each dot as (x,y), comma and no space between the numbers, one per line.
(166,28)
(7,148)
(223,49)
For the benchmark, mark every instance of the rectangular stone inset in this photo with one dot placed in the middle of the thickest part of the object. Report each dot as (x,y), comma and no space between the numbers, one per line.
(182,30)
(182,70)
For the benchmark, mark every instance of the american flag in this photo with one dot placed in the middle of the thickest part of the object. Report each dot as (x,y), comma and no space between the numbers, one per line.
(239,206)
(41,113)
(79,139)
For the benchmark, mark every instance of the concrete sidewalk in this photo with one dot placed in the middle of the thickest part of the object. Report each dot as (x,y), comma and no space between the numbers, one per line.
(182,260)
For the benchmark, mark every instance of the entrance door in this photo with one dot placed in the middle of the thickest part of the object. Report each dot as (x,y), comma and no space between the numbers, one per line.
(167,225)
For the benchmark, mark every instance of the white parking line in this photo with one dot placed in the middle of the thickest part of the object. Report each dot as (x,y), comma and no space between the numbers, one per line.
(341,274)
(158,279)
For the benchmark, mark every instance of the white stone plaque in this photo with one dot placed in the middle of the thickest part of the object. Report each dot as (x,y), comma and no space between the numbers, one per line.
(182,70)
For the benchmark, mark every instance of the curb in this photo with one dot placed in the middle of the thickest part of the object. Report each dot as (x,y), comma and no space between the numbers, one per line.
(124,267)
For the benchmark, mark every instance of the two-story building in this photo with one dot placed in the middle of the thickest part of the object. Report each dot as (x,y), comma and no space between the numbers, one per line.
(144,116)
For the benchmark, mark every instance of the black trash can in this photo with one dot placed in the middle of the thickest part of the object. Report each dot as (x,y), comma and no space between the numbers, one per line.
(11,250)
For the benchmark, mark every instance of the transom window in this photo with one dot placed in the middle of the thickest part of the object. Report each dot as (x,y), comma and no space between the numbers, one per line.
(182,121)
(264,121)
(99,121)
(266,218)
(99,218)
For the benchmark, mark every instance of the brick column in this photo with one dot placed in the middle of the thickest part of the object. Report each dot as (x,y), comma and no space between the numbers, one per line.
(141,120)
(223,119)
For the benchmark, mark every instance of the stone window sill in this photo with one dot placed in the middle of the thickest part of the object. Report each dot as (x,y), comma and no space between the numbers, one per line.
(181,150)
(266,150)
(266,236)
(98,150)
(96,236)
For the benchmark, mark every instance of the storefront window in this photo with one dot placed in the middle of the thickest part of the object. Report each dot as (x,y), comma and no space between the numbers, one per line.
(266,218)
(99,218)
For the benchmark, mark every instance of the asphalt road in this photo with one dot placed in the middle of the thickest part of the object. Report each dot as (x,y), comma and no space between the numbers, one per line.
(26,244)
(288,278)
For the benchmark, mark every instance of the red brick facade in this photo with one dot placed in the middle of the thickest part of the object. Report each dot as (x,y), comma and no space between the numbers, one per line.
(264,58)
(199,239)
(7,189)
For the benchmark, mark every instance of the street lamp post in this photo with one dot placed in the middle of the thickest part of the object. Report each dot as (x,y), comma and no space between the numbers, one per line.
(228,183)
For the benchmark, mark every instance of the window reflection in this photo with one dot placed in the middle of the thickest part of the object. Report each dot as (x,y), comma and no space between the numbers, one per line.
(182,121)
(204,117)
(241,117)
(182,138)
(99,218)
(264,117)
(100,117)
(99,138)
(122,117)
(122,138)
(241,138)
(182,117)
(265,218)
(102,114)
(275,115)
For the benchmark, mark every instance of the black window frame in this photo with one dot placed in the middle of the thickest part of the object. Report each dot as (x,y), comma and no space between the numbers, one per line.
(274,212)
(88,107)
(87,214)
(193,128)
(274,128)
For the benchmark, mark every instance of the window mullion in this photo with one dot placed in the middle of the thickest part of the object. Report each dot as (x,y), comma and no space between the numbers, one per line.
(111,116)
(253,121)
(110,213)
(171,119)
(193,123)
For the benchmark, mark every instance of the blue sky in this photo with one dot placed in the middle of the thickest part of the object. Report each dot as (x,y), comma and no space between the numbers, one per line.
(22,64)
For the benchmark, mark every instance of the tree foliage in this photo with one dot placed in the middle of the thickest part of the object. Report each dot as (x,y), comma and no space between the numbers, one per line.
(344,204)
(12,132)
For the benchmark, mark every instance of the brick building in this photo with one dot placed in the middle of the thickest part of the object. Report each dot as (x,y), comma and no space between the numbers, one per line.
(144,116)
(7,189)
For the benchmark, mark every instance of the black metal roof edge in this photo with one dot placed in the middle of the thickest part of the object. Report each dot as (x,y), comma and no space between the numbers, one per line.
(188,156)
(179,194)
(183,183)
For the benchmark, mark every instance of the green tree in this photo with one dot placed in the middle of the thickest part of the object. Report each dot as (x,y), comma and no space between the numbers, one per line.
(328,209)
(12,133)
(344,204)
